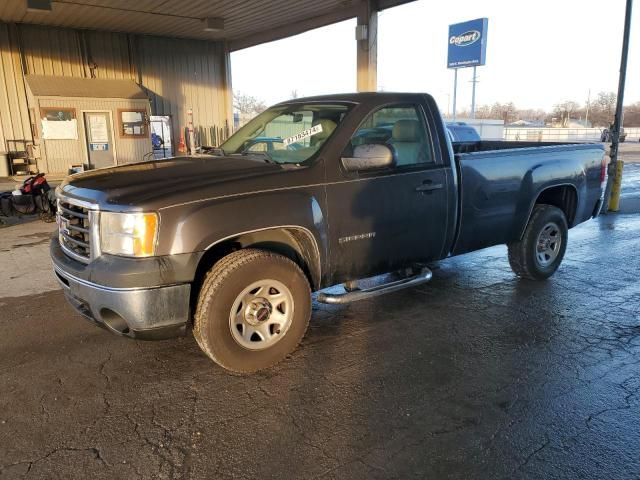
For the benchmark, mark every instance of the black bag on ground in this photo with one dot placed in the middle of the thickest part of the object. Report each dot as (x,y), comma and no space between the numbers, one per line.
(37,197)
(6,205)
(24,204)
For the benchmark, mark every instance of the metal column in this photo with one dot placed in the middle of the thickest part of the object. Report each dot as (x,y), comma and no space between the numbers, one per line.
(615,167)
(367,47)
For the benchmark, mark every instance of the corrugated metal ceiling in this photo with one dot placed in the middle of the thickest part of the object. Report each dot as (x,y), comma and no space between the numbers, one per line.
(246,22)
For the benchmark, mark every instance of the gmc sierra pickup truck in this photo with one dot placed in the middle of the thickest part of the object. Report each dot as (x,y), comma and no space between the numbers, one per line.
(344,188)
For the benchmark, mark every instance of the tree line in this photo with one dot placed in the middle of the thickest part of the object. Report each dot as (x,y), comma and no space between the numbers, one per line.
(599,112)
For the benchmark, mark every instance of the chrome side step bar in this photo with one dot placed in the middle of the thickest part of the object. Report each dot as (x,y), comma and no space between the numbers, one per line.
(353,296)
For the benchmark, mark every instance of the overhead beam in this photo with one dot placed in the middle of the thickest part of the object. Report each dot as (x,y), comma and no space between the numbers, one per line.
(367,46)
(301,26)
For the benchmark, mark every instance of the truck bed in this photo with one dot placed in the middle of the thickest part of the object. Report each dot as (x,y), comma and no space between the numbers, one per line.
(500,182)
(493,145)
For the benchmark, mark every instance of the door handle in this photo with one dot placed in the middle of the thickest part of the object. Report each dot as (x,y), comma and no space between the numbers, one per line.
(428,187)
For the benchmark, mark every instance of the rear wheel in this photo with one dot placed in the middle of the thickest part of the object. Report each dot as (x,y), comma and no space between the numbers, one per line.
(540,251)
(253,309)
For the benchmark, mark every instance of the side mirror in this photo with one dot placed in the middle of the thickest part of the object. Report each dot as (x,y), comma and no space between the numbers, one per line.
(368,157)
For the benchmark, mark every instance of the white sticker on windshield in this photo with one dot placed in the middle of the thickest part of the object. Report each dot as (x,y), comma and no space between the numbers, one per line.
(309,132)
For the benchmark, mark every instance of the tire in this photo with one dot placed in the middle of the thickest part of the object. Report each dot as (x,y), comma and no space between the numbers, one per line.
(530,260)
(271,298)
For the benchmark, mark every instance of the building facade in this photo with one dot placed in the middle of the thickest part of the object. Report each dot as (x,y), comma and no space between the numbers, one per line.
(174,74)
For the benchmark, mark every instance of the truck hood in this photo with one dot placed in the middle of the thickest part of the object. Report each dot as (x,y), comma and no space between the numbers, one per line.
(162,183)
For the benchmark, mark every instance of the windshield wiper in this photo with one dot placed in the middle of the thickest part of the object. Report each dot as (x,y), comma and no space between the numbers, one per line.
(267,158)
(215,151)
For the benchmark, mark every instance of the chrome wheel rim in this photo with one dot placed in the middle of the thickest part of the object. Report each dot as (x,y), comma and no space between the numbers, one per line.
(261,314)
(548,244)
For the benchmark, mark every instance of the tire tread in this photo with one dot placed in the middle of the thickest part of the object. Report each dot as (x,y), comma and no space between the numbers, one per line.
(213,281)
(518,251)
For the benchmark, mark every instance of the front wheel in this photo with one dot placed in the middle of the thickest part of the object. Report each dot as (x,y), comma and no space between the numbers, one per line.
(540,251)
(253,309)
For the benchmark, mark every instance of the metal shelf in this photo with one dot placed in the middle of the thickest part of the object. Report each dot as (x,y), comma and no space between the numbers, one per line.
(20,160)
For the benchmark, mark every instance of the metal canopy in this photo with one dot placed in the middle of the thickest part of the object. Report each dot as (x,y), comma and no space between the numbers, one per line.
(246,22)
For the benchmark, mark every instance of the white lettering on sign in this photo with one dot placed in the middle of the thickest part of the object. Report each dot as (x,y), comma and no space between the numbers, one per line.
(464,39)
(309,132)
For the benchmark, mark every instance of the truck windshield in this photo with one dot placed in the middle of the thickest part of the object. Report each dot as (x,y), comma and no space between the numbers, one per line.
(287,133)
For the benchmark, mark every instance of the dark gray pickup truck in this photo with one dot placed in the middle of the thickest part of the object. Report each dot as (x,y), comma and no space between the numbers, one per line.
(356,186)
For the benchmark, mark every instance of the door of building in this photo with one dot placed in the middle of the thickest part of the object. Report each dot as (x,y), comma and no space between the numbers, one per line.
(99,139)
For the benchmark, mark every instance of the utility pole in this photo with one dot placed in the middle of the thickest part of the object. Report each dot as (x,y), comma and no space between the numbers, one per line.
(586,117)
(473,93)
(455,91)
(615,167)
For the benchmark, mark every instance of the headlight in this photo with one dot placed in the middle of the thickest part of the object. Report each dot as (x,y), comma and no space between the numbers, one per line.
(129,234)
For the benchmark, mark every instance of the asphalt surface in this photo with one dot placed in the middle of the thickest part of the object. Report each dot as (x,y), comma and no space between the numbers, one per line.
(475,375)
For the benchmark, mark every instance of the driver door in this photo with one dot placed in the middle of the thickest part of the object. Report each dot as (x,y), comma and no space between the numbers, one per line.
(383,220)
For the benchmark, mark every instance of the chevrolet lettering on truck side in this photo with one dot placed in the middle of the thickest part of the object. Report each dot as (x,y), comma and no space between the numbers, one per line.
(344,188)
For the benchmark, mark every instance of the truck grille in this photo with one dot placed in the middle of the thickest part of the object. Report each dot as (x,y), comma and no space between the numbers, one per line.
(74,230)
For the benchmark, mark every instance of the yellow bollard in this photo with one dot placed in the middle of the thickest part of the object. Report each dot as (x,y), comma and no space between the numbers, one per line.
(616,188)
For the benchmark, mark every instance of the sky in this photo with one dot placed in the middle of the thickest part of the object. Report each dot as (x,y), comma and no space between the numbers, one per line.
(539,53)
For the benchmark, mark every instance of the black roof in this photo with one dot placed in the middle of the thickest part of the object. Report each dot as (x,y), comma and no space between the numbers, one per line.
(361,97)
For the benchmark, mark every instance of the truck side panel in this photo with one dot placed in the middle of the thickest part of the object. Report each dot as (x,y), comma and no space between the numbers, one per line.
(199,227)
(499,189)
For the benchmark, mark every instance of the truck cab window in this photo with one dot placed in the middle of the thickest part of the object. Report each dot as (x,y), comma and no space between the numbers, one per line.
(402,129)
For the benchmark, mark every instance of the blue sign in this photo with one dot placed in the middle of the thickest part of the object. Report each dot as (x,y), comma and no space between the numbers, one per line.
(467,43)
(98,147)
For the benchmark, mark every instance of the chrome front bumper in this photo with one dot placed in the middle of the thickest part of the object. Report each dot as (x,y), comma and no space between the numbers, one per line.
(145,313)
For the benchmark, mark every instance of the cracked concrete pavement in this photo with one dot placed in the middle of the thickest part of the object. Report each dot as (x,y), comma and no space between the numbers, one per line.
(475,375)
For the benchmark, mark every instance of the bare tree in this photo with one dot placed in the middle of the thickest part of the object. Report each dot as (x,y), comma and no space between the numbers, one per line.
(603,109)
(294,94)
(564,111)
(498,111)
(601,112)
(632,115)
(246,104)
(504,111)
(483,111)
(531,115)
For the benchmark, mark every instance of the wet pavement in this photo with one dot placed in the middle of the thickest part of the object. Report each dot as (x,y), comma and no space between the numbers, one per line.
(475,375)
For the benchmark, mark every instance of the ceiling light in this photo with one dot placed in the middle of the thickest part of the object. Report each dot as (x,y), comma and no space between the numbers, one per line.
(38,5)
(212,24)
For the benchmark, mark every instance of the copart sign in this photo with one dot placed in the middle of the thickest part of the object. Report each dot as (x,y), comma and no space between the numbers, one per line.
(467,45)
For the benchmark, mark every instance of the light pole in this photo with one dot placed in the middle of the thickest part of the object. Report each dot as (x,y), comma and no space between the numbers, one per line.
(615,167)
